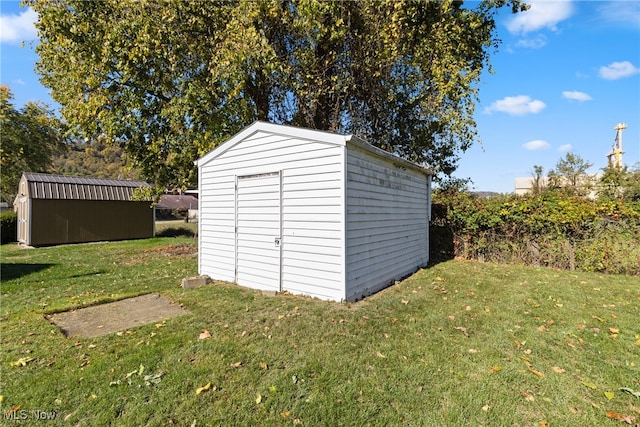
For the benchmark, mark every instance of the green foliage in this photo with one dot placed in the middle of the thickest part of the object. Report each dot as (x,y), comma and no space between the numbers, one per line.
(169,80)
(550,228)
(8,227)
(30,137)
(620,184)
(94,158)
(570,175)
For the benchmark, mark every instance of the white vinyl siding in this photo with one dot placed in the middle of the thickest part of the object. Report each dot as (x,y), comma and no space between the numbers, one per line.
(352,219)
(312,202)
(387,222)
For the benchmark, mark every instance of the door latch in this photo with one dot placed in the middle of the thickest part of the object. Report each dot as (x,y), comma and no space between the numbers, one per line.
(277,242)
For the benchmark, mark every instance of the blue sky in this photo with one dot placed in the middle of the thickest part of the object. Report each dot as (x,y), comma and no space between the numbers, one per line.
(567,72)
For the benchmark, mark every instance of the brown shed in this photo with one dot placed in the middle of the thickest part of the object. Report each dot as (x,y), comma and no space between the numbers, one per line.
(54,209)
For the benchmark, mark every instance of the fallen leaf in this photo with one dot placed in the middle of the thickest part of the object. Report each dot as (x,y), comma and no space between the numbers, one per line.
(536,373)
(22,361)
(258,398)
(463,330)
(405,302)
(527,396)
(381,355)
(621,417)
(485,408)
(472,351)
(614,330)
(495,369)
(285,414)
(452,317)
(543,423)
(557,370)
(236,365)
(203,389)
(264,366)
(204,335)
(609,395)
(590,385)
(574,410)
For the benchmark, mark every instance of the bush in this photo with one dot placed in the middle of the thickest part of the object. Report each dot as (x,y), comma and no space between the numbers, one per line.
(548,229)
(8,227)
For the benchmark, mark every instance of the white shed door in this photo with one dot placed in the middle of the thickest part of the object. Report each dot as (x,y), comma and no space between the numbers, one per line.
(258,225)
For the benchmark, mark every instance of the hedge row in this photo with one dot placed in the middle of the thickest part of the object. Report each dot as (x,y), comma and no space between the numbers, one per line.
(8,227)
(549,229)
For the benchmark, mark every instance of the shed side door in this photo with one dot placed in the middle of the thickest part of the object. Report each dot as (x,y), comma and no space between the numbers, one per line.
(258,231)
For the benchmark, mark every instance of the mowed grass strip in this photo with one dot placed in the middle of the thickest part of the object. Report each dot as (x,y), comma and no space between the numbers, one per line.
(460,343)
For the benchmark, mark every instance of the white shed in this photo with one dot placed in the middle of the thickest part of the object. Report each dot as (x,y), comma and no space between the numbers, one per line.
(311,212)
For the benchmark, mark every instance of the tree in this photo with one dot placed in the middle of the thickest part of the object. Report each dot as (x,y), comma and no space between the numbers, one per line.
(30,137)
(570,175)
(94,158)
(537,183)
(620,183)
(168,80)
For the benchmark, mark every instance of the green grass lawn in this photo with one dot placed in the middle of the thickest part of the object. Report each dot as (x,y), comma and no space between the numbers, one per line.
(460,343)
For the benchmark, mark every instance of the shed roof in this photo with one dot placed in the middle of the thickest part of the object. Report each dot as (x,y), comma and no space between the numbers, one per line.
(47,186)
(170,201)
(309,134)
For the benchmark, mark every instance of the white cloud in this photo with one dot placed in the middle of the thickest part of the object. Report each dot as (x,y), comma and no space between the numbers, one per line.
(535,43)
(18,28)
(625,13)
(517,105)
(576,95)
(536,145)
(618,70)
(541,14)
(565,148)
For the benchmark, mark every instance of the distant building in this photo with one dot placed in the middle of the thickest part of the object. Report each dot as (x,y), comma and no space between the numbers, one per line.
(525,185)
(177,206)
(55,209)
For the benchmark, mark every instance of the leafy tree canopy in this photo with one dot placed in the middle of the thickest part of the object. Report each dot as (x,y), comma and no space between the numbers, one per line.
(620,183)
(168,79)
(30,137)
(570,174)
(94,158)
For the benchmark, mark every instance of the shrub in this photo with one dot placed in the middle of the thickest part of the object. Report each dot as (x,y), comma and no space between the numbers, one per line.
(8,227)
(547,229)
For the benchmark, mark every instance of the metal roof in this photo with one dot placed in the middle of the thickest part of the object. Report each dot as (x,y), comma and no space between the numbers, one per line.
(170,201)
(47,186)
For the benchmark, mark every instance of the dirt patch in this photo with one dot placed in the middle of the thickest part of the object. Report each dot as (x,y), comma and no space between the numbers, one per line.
(177,250)
(116,316)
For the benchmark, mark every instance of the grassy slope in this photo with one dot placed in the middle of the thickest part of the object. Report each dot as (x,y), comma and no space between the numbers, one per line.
(460,343)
